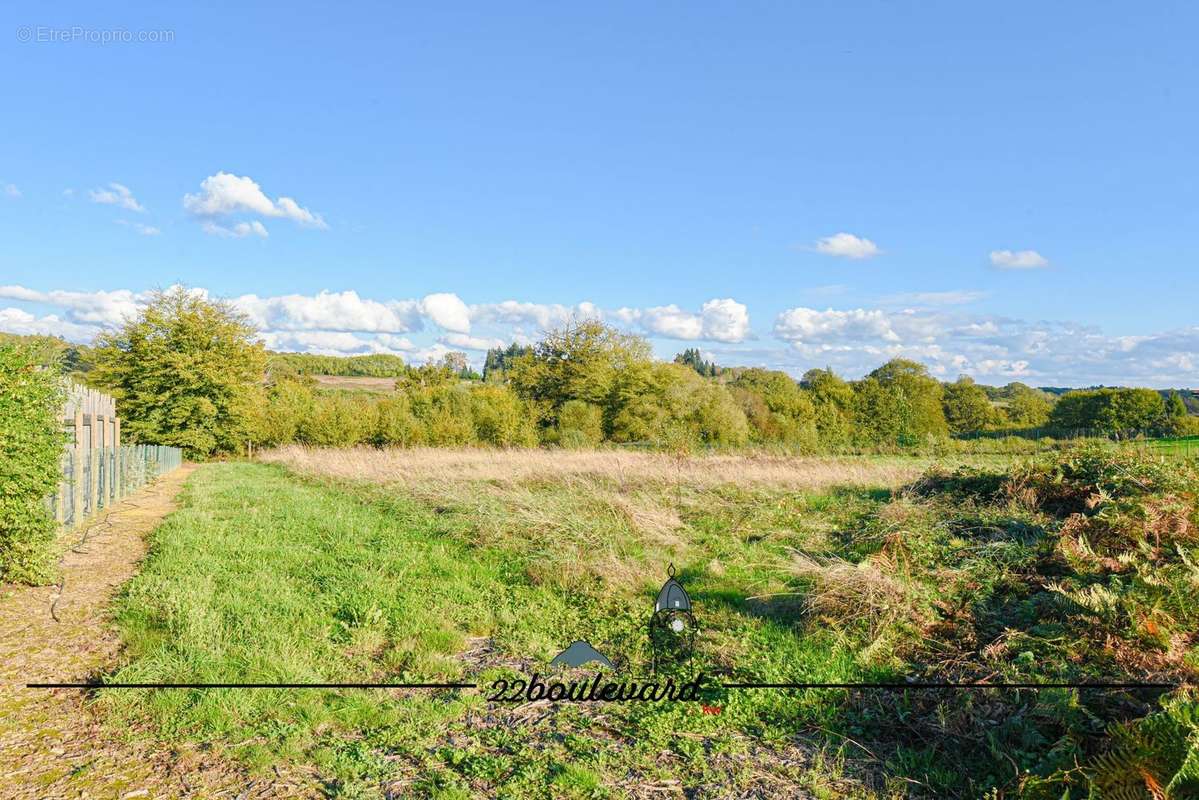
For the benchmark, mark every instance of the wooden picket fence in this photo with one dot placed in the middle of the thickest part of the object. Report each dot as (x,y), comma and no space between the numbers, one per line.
(96,469)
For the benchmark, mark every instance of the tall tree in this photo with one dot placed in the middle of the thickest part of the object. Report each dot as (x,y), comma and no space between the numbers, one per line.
(183,372)
(967,407)
(921,392)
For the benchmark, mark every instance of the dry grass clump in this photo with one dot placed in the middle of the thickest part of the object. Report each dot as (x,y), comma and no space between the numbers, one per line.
(846,593)
(403,465)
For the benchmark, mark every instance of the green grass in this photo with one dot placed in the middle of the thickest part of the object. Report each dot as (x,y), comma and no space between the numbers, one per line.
(263,575)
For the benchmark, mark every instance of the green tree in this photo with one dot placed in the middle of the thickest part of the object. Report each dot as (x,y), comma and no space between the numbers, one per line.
(1109,411)
(1176,413)
(586,361)
(183,372)
(921,391)
(1026,407)
(967,407)
(833,407)
(884,414)
(31,440)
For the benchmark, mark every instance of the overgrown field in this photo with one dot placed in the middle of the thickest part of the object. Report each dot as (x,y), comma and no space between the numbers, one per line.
(432,566)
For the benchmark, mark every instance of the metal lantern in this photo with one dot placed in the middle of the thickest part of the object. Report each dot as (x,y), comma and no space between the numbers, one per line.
(672,627)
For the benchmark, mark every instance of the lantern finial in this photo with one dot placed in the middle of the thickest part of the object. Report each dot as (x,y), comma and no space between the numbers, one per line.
(670,570)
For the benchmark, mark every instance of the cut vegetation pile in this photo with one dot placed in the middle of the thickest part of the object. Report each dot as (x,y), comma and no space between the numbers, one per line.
(471,565)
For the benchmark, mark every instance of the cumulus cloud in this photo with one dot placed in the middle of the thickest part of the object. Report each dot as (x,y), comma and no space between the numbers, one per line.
(721,320)
(116,194)
(540,315)
(465,342)
(16,320)
(92,308)
(1018,259)
(11,190)
(846,245)
(225,194)
(447,310)
(329,311)
(855,341)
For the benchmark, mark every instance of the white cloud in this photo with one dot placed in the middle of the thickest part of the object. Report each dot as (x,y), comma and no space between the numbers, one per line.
(238,231)
(16,320)
(116,195)
(725,320)
(1019,259)
(722,320)
(466,342)
(543,316)
(144,230)
(846,245)
(92,308)
(330,311)
(448,311)
(12,191)
(855,341)
(225,194)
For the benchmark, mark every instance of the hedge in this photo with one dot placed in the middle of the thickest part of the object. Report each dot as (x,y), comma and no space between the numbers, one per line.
(31,441)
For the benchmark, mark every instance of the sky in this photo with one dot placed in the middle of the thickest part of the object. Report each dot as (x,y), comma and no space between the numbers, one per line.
(1004,190)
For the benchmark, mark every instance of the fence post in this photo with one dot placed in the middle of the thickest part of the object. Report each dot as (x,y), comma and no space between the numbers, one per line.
(77,471)
(117,459)
(100,424)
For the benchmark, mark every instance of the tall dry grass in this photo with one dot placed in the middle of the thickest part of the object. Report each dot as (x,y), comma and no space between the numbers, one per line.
(420,465)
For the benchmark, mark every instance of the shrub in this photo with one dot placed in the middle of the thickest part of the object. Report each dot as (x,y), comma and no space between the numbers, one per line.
(395,424)
(580,424)
(500,419)
(338,420)
(31,441)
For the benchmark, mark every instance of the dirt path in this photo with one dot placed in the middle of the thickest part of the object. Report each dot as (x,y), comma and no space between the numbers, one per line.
(51,743)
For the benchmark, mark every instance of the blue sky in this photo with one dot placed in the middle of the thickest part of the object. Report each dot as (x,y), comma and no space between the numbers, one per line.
(1006,190)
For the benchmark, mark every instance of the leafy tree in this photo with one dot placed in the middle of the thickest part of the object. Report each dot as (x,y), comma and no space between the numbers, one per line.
(921,392)
(1026,407)
(586,361)
(500,358)
(31,440)
(183,372)
(833,407)
(967,407)
(1110,411)
(883,414)
(1176,409)
(777,408)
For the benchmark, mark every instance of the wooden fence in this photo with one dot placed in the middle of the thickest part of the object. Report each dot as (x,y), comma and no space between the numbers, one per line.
(97,470)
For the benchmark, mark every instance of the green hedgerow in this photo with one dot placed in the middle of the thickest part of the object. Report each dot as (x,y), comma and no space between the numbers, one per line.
(31,440)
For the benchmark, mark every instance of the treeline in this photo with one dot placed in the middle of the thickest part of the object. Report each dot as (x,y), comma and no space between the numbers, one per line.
(191,373)
(589,384)
(377,365)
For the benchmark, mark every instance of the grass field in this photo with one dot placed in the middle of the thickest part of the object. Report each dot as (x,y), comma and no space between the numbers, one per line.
(431,566)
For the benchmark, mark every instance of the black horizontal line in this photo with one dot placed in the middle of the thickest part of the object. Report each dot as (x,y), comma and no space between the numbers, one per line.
(899,686)
(250,686)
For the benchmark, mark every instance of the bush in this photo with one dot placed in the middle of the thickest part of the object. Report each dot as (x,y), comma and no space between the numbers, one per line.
(395,424)
(580,424)
(31,441)
(338,420)
(500,418)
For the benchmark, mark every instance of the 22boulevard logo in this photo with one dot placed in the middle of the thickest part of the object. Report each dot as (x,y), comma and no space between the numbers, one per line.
(672,637)
(671,631)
